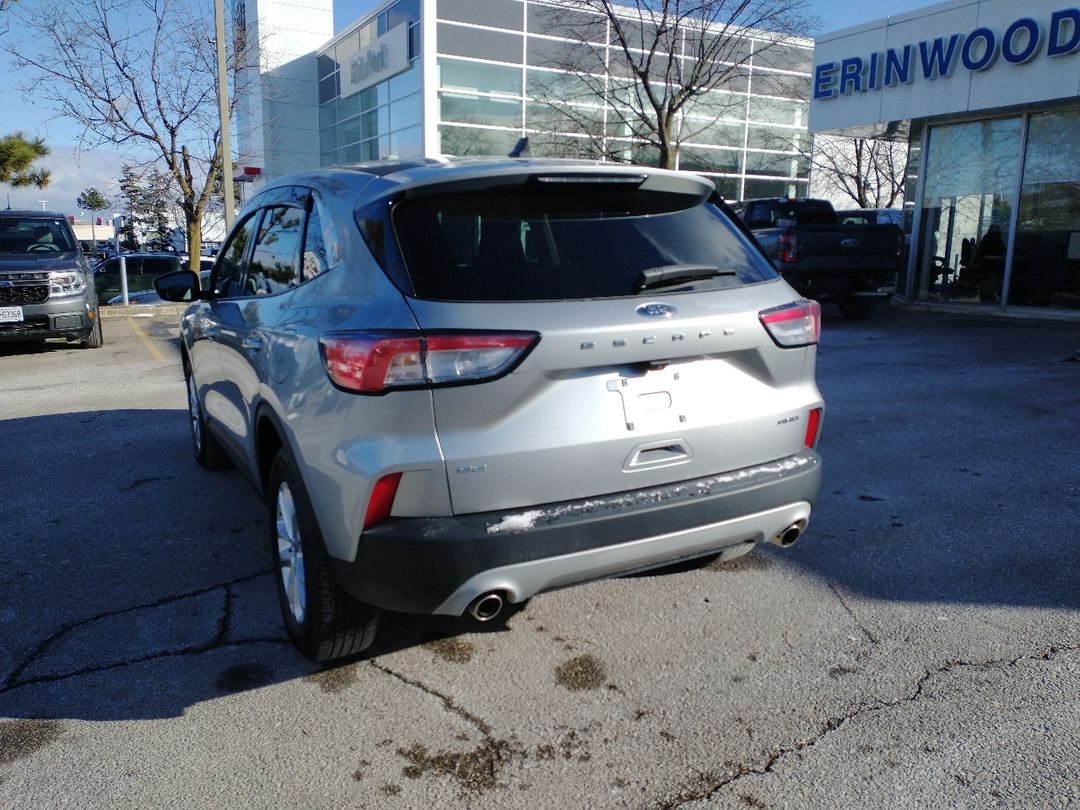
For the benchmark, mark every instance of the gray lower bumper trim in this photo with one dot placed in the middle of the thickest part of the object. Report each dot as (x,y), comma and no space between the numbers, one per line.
(523,580)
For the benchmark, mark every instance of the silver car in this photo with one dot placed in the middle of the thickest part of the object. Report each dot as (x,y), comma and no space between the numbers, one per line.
(461,383)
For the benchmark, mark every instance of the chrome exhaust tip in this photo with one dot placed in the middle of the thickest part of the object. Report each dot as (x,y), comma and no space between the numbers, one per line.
(789,535)
(486,607)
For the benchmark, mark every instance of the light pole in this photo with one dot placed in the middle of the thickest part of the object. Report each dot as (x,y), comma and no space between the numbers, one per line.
(223,112)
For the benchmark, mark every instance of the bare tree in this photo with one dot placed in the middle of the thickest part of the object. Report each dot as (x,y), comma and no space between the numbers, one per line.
(136,74)
(640,79)
(870,172)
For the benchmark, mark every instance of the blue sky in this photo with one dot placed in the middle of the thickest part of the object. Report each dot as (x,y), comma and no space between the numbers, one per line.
(74,170)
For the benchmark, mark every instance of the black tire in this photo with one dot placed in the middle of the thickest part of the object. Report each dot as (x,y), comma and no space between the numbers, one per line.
(324,622)
(95,340)
(856,309)
(208,451)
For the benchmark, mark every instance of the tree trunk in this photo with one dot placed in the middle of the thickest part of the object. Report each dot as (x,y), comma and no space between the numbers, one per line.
(669,151)
(193,222)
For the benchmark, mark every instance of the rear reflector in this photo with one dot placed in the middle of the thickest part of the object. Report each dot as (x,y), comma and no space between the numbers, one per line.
(813,425)
(793,325)
(382,499)
(371,363)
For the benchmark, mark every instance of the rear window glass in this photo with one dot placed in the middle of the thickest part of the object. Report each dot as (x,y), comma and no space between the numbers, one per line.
(782,213)
(556,244)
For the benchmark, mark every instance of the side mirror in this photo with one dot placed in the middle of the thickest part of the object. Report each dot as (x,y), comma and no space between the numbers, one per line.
(178,286)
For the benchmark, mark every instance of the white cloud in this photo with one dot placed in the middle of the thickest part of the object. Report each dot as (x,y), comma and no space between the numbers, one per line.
(73,171)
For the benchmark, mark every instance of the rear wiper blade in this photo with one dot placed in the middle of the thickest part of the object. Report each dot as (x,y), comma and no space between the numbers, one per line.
(667,275)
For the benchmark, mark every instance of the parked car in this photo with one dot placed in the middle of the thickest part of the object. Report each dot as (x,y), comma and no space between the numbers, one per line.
(852,265)
(150,296)
(458,384)
(45,281)
(142,269)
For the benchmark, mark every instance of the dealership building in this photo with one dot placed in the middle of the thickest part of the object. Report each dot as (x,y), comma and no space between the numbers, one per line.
(988,94)
(428,78)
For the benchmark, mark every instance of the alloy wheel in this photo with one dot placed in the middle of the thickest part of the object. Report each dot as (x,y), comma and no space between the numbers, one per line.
(290,553)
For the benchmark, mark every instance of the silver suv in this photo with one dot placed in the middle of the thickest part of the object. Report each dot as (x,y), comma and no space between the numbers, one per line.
(459,384)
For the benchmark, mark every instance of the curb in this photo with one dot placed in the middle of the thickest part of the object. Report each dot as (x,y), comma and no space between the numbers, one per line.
(173,311)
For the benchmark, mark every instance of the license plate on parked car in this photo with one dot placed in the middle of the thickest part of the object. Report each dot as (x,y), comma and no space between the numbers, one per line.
(10,314)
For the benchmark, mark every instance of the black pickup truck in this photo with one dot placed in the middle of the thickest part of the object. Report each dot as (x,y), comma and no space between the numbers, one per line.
(852,265)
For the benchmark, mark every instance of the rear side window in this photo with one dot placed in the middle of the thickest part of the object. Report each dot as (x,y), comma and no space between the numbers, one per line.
(156,267)
(313,260)
(526,243)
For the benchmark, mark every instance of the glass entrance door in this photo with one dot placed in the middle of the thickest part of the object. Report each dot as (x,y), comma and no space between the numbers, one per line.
(970,183)
(1046,263)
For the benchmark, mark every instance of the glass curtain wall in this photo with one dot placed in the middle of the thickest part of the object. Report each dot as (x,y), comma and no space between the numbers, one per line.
(970,183)
(383,120)
(502,75)
(1046,258)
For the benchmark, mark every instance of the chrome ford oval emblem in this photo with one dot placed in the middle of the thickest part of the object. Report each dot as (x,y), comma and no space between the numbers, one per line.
(656,310)
(850,243)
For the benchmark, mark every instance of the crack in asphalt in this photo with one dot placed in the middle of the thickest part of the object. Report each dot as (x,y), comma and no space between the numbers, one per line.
(835,723)
(14,680)
(851,612)
(447,702)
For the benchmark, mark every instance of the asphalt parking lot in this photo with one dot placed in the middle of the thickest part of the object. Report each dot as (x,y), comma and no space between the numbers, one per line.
(919,647)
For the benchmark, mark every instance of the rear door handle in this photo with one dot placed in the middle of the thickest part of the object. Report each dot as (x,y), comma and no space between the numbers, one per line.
(253,343)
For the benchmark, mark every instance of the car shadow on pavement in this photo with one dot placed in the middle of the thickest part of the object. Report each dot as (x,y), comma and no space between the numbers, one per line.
(134,584)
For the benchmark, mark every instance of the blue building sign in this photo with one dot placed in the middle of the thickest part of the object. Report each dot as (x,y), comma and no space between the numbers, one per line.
(1025,40)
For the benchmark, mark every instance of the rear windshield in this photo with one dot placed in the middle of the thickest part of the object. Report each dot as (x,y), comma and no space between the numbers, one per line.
(782,213)
(556,244)
(34,235)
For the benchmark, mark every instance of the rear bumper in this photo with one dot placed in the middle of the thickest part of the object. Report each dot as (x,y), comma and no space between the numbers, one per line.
(60,318)
(826,285)
(439,565)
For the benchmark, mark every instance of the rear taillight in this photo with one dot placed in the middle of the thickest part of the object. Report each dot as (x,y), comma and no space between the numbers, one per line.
(813,427)
(788,247)
(374,362)
(382,499)
(793,325)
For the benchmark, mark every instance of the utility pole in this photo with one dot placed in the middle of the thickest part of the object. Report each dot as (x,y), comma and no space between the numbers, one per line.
(223,113)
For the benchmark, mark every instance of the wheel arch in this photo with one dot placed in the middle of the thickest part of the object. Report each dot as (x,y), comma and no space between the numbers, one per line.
(269,438)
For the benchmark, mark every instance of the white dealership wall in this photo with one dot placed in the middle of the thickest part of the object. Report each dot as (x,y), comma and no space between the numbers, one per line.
(872,107)
(277,117)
